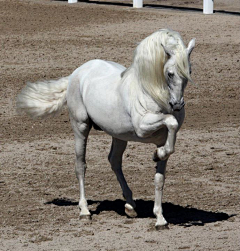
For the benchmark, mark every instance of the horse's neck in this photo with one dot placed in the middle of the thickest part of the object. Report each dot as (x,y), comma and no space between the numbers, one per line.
(150,104)
(142,104)
(140,101)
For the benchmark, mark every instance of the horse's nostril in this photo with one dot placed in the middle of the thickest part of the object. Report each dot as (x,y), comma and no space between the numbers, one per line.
(172,104)
(177,106)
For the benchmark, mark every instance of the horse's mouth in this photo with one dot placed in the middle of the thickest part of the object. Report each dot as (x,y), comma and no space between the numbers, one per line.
(178,107)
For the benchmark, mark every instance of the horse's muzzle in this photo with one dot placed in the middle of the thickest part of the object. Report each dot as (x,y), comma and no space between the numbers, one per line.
(177,106)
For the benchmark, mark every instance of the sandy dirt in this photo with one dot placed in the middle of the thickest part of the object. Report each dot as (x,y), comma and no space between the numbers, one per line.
(38,189)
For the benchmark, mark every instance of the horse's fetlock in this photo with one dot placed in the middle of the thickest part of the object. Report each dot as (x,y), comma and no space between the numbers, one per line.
(157,210)
(82,203)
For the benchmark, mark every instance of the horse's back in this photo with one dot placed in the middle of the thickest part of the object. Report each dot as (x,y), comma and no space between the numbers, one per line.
(98,78)
(99,69)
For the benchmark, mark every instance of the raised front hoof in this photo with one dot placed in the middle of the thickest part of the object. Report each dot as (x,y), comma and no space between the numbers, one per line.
(161,154)
(161,227)
(86,218)
(129,211)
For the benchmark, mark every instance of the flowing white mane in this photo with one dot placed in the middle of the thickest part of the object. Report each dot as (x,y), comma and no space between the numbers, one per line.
(147,70)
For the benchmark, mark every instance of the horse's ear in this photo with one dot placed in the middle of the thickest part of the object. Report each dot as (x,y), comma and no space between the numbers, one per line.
(190,47)
(169,52)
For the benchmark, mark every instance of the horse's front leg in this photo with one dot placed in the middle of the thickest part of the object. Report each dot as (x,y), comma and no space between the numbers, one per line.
(163,152)
(159,184)
(151,123)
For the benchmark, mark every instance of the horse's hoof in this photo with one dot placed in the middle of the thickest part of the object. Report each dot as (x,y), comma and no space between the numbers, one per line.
(85,217)
(131,213)
(129,210)
(161,227)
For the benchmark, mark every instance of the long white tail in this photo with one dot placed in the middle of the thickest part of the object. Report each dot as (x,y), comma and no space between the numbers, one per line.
(43,99)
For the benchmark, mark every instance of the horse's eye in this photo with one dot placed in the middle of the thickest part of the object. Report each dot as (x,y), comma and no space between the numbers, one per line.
(170,75)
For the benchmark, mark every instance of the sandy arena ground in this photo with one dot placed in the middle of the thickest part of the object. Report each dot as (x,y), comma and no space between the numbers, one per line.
(44,39)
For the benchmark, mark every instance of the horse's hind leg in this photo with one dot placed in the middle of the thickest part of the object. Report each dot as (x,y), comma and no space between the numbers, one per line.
(81,131)
(81,126)
(115,159)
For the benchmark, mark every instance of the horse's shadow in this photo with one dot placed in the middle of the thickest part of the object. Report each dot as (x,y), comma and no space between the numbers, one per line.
(175,214)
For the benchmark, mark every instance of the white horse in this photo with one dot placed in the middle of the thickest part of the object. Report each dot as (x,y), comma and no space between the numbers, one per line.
(143,103)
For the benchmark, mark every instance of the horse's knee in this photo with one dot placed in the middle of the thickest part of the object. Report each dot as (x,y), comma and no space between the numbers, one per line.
(171,123)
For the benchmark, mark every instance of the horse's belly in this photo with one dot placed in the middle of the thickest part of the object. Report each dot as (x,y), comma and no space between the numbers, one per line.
(112,120)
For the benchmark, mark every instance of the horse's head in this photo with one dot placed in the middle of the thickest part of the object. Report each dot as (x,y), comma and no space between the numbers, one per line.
(177,70)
